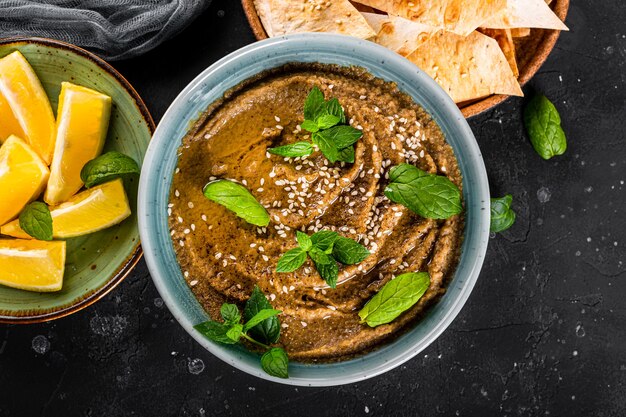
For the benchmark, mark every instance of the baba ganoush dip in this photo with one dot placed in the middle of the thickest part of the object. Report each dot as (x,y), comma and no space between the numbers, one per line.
(223,257)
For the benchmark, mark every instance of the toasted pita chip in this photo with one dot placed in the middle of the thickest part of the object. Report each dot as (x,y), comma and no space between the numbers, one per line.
(520,32)
(466,67)
(525,14)
(280,17)
(457,16)
(400,35)
(505,41)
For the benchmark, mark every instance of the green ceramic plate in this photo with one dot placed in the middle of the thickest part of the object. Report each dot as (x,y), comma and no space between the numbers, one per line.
(95,263)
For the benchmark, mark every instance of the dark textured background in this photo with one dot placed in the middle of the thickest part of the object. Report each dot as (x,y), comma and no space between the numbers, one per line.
(542,334)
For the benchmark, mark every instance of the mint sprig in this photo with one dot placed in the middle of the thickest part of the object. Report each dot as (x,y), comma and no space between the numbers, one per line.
(326,121)
(107,167)
(394,298)
(236,198)
(325,248)
(431,196)
(259,318)
(36,220)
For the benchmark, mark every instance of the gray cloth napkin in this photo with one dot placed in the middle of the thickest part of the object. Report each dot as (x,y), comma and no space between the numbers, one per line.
(113,29)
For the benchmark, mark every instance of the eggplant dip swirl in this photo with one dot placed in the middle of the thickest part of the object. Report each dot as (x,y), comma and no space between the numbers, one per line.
(328,191)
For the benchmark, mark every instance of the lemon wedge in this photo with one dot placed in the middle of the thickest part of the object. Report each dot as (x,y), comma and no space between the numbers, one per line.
(82,122)
(30,106)
(22,177)
(32,265)
(89,211)
(9,125)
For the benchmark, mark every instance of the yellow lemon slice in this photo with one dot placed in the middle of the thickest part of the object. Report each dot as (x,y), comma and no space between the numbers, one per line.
(23,92)
(22,177)
(82,122)
(9,125)
(89,211)
(32,265)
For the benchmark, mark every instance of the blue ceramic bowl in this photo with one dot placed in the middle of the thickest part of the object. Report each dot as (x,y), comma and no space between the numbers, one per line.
(160,162)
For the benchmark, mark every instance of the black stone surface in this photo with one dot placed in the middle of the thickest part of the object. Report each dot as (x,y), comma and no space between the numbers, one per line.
(542,334)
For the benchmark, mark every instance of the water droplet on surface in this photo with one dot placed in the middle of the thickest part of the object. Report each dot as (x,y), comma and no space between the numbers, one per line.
(158,302)
(543,195)
(195,366)
(41,344)
(580,330)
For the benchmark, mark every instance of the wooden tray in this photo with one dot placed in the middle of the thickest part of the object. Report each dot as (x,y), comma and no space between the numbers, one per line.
(532,51)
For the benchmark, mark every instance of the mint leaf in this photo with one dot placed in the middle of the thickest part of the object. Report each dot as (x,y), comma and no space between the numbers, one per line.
(291,260)
(275,362)
(234,333)
(326,121)
(346,155)
(259,317)
(325,265)
(314,105)
(303,240)
(349,252)
(230,313)
(36,220)
(543,125)
(324,239)
(431,196)
(268,331)
(107,167)
(309,125)
(405,173)
(502,217)
(334,108)
(215,331)
(394,298)
(327,146)
(237,198)
(293,150)
(341,136)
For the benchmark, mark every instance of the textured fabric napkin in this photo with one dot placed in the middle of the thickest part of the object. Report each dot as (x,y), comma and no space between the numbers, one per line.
(113,29)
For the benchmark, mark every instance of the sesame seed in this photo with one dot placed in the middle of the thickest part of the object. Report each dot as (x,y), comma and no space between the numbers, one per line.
(277,118)
(176,193)
(265,258)
(186,274)
(186,231)
(218,255)
(303,323)
(180,219)
(193,227)
(181,243)
(194,283)
(190,205)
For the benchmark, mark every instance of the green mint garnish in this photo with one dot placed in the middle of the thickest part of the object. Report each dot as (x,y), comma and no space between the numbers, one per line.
(293,150)
(325,120)
(431,196)
(325,248)
(543,125)
(275,362)
(236,198)
(502,216)
(36,220)
(268,331)
(394,298)
(107,167)
(261,322)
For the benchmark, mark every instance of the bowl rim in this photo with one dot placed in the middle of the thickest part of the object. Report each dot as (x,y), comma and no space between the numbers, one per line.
(146,208)
(133,259)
